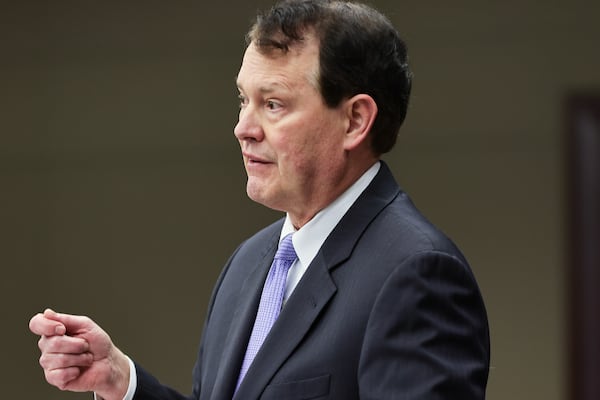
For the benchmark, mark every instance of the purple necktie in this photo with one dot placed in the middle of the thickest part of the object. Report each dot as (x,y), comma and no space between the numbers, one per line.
(271,300)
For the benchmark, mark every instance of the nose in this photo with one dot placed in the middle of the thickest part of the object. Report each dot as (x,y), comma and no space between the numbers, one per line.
(248,126)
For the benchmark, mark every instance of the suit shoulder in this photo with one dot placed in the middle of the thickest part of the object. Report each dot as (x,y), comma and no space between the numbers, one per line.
(410,228)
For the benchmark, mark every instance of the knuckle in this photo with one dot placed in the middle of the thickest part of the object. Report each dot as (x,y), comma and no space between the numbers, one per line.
(56,378)
(52,377)
(82,347)
(47,361)
(50,361)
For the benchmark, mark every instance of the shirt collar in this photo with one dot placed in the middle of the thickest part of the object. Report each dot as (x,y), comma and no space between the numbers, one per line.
(309,239)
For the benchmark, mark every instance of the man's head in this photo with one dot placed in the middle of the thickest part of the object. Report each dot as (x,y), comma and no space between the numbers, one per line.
(359,52)
(323,91)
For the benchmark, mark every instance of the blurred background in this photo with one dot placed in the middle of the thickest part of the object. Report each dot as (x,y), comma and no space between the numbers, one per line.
(122,191)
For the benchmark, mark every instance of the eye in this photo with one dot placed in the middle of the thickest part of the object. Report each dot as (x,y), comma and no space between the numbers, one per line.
(242,100)
(273,105)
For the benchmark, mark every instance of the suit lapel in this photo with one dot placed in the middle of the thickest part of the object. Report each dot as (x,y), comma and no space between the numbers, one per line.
(342,240)
(241,325)
(304,305)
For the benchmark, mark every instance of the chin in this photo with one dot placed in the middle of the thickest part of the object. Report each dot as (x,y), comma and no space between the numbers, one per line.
(260,196)
(255,193)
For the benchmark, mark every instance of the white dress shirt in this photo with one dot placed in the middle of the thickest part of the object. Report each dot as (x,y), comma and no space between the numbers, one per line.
(309,239)
(307,243)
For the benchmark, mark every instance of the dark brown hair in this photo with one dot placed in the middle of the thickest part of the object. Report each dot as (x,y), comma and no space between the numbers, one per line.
(360,52)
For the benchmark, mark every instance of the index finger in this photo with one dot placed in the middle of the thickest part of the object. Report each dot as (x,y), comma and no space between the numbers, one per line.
(42,326)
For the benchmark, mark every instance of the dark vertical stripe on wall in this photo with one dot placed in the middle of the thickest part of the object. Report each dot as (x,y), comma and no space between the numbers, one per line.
(583,261)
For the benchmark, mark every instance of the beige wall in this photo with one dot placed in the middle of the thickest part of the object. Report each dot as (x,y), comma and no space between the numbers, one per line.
(122,190)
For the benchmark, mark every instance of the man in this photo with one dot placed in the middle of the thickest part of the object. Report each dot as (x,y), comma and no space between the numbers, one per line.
(377,303)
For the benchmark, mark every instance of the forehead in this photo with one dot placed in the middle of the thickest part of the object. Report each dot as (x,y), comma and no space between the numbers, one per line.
(298,66)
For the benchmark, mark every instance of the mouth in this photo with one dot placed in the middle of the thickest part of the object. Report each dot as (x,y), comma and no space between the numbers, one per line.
(255,160)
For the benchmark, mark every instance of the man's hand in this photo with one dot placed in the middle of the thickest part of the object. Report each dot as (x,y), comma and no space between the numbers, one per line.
(77,355)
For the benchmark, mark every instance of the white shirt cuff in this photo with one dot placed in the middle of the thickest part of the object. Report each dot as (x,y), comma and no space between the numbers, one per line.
(132,383)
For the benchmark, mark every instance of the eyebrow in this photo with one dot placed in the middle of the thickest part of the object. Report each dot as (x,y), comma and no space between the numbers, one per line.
(269,87)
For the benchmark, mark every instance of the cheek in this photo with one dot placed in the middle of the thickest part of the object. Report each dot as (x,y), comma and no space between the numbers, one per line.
(311,157)
(296,159)
(310,144)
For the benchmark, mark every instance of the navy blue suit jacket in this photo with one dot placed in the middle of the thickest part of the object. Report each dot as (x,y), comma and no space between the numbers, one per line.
(388,309)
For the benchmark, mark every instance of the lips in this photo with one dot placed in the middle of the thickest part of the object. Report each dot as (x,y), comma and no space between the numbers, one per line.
(253,159)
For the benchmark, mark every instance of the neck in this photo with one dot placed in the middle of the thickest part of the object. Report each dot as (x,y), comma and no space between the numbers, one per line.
(345,180)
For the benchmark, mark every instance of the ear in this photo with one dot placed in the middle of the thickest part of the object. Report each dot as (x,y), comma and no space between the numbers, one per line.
(361,111)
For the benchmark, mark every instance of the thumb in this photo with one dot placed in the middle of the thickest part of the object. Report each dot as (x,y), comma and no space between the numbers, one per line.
(72,324)
(41,325)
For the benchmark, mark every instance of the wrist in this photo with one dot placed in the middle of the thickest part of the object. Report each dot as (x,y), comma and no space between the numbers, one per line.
(118,382)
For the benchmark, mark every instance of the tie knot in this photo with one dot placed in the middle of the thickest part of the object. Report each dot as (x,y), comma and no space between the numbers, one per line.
(286,249)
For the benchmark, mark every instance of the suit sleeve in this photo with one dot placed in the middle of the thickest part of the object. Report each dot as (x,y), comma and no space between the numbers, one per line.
(427,335)
(149,388)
